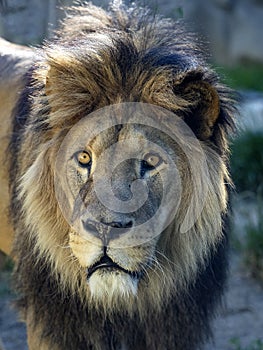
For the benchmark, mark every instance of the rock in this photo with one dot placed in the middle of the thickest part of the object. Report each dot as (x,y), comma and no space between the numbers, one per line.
(29,21)
(233,28)
(246,39)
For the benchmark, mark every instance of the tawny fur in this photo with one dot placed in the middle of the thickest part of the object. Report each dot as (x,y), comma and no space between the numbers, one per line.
(14,62)
(101,58)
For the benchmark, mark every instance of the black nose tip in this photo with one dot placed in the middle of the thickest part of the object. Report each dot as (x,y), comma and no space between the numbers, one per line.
(119,224)
(107,231)
(118,228)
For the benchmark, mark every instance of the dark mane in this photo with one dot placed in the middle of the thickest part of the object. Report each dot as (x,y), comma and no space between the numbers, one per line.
(192,309)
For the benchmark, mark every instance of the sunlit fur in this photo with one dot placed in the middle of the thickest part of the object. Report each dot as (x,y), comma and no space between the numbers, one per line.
(14,62)
(101,58)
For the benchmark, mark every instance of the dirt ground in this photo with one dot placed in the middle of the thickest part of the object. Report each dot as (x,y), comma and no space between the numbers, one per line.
(241,316)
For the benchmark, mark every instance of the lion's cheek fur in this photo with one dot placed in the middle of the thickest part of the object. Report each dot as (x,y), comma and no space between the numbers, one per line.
(84,251)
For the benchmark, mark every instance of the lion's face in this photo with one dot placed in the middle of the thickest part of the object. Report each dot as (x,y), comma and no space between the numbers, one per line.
(134,197)
(123,184)
(116,184)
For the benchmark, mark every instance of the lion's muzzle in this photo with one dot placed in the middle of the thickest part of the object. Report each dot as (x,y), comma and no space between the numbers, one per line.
(107,231)
(108,264)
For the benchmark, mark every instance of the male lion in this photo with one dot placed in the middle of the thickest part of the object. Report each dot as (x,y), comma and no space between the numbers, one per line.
(119,181)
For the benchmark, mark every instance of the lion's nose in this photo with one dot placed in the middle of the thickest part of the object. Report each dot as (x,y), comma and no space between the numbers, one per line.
(107,230)
(119,224)
(117,228)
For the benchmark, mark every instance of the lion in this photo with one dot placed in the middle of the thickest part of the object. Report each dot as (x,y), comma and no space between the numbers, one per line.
(118,173)
(14,62)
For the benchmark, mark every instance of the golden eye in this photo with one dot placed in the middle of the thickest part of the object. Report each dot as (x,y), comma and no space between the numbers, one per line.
(152,159)
(83,158)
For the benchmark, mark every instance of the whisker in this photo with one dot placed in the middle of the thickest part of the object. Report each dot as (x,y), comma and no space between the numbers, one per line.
(166,258)
(63,247)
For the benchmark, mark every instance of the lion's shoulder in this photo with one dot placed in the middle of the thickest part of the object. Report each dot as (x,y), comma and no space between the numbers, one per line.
(15,60)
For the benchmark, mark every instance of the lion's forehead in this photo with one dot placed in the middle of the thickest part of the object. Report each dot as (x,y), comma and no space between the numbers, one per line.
(134,138)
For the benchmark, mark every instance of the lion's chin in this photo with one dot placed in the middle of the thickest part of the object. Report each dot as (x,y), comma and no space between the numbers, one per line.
(111,286)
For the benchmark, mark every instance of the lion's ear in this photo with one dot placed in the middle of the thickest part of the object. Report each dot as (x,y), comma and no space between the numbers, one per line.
(203,105)
(58,74)
(68,87)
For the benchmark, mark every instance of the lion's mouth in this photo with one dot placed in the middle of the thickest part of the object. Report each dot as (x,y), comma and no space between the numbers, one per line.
(107,263)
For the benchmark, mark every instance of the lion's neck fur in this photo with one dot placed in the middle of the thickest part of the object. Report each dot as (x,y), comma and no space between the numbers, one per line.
(62,314)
